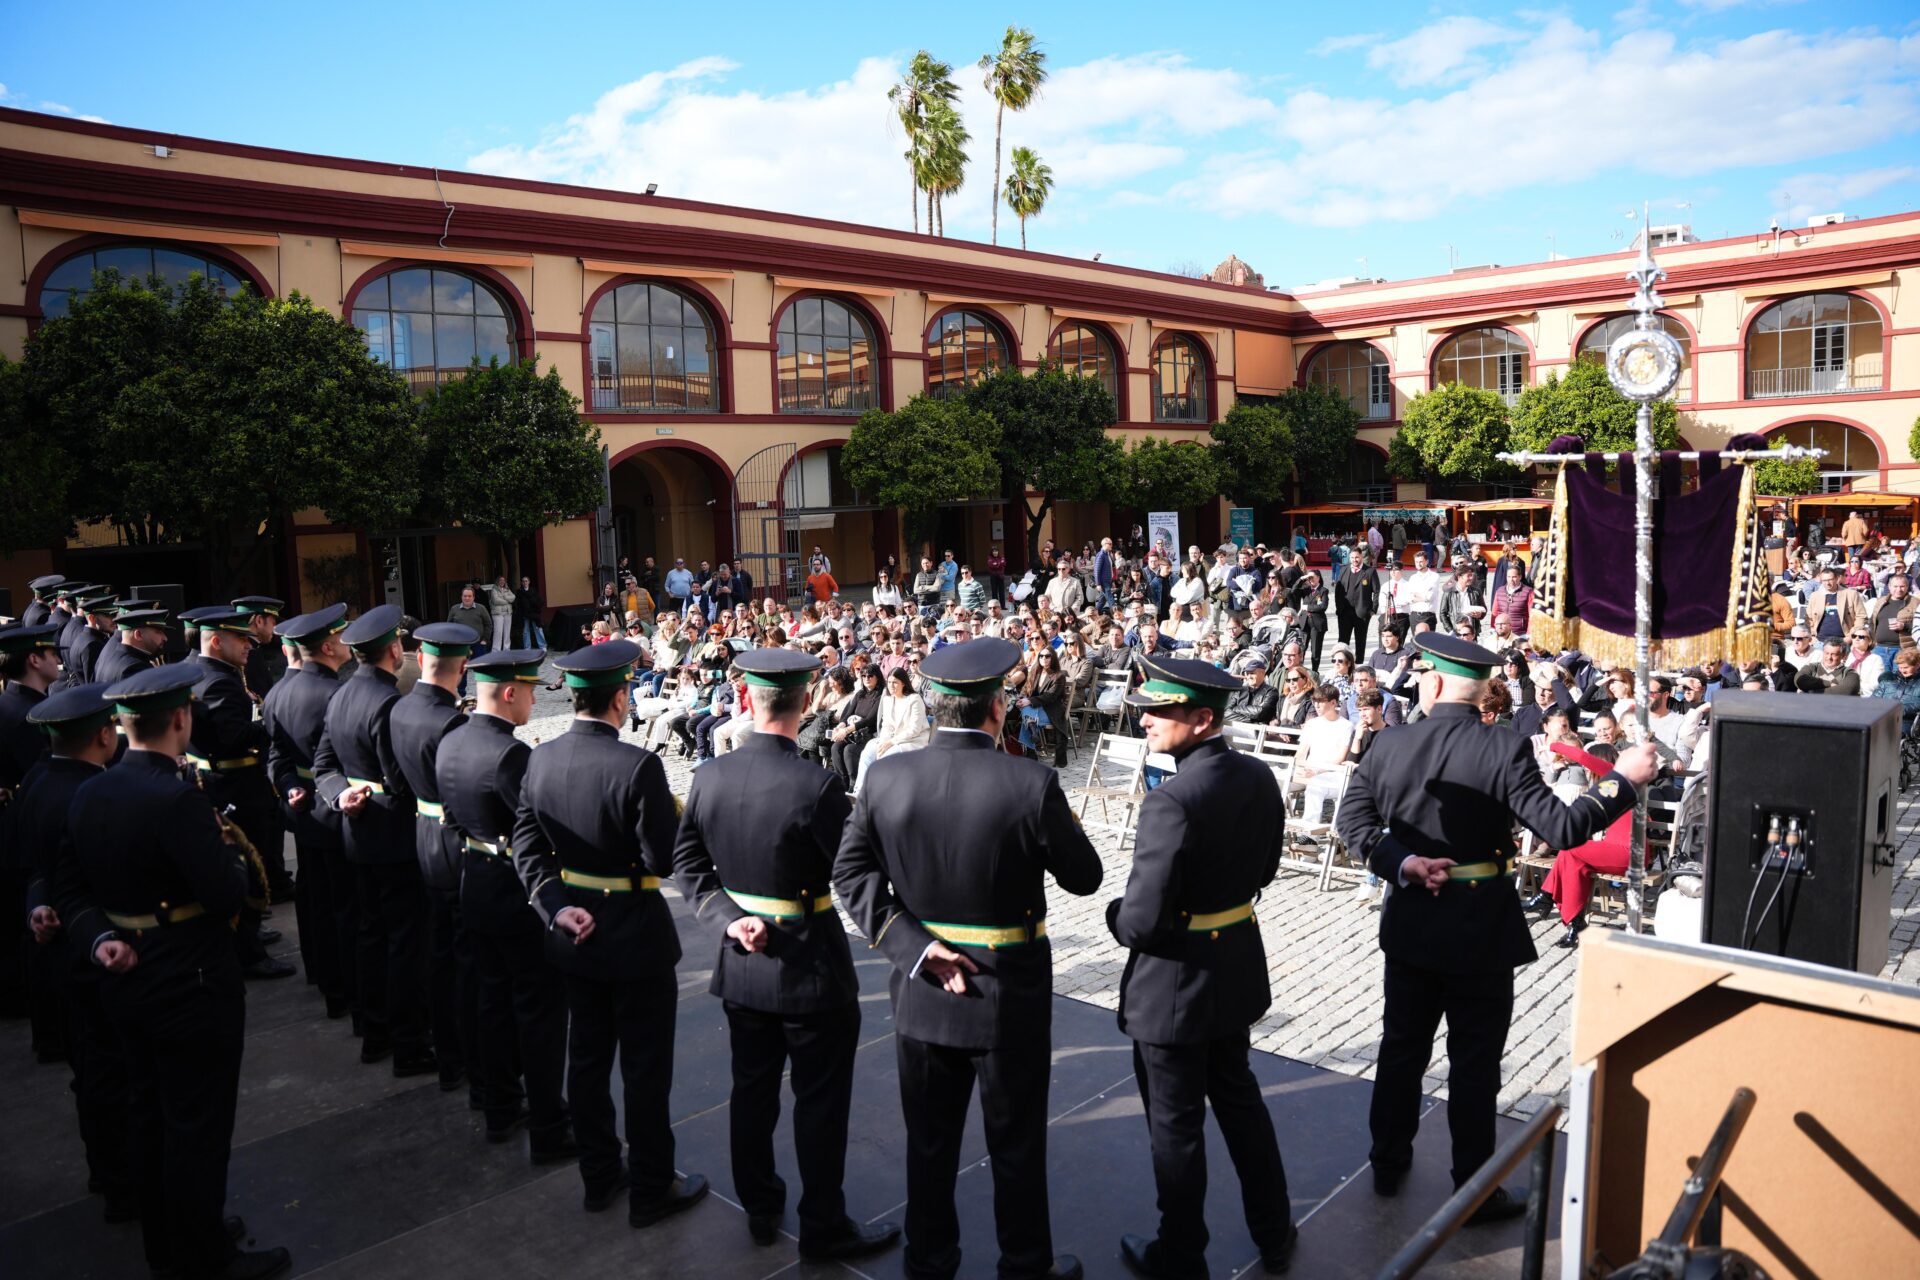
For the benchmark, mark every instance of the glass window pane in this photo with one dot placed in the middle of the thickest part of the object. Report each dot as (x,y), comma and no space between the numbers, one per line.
(603,308)
(486,302)
(374,325)
(374,296)
(412,289)
(452,294)
(666,306)
(412,340)
(74,273)
(54,302)
(636,366)
(133,263)
(493,339)
(835,318)
(631,303)
(808,315)
(175,267)
(453,341)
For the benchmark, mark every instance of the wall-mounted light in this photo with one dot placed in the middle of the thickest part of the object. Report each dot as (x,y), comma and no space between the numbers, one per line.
(652,187)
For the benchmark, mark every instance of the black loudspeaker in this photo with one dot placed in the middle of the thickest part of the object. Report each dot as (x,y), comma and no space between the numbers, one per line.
(1800,826)
(172,597)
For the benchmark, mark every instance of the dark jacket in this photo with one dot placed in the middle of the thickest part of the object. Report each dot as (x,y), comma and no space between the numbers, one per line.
(1451,787)
(925,845)
(419,722)
(119,660)
(479,775)
(594,804)
(21,744)
(36,830)
(294,715)
(1248,705)
(1208,840)
(761,821)
(1362,590)
(357,743)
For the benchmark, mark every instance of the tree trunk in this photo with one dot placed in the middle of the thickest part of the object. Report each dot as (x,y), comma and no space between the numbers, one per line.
(913,196)
(999,115)
(1034,519)
(1023,233)
(930,230)
(940,211)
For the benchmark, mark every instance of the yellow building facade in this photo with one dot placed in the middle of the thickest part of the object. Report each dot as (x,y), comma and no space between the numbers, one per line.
(725,353)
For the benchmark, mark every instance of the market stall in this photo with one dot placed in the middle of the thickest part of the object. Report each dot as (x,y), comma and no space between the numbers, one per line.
(1413,513)
(1323,522)
(1891,516)
(1496,526)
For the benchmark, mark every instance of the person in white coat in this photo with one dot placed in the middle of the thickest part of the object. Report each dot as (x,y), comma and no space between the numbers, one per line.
(903,724)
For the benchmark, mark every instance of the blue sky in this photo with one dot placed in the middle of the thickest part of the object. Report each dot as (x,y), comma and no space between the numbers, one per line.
(1313,142)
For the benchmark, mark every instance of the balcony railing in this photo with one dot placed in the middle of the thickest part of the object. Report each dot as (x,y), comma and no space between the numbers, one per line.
(1180,408)
(652,393)
(1379,410)
(1860,374)
(811,399)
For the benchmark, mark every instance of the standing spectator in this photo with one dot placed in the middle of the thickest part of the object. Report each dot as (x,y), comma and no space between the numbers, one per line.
(742,582)
(1513,600)
(470,615)
(1103,573)
(949,575)
(926,588)
(527,610)
(1422,588)
(820,584)
(1854,534)
(972,593)
(1065,594)
(609,608)
(1890,618)
(997,572)
(1314,598)
(819,560)
(1833,611)
(886,593)
(500,605)
(1361,587)
(679,585)
(649,577)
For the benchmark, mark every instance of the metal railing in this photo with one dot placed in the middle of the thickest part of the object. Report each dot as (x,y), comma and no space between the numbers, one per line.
(650,392)
(1535,1140)
(847,399)
(1180,408)
(1862,373)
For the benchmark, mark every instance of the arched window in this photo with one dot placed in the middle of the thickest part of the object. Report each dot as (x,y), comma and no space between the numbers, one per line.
(827,358)
(1366,478)
(1494,359)
(1851,453)
(1357,371)
(1595,341)
(1086,351)
(1821,344)
(963,346)
(1179,380)
(74,278)
(652,351)
(431,323)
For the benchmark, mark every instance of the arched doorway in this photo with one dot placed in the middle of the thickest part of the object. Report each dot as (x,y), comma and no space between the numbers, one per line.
(671,502)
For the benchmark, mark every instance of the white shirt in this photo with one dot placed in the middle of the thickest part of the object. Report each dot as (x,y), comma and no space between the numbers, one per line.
(1799,660)
(1323,742)
(1419,587)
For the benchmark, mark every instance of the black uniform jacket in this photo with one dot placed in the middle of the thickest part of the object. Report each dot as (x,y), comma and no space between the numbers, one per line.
(419,722)
(118,660)
(594,804)
(145,840)
(37,822)
(21,744)
(35,614)
(479,777)
(224,730)
(73,627)
(1208,840)
(358,743)
(1451,787)
(762,821)
(86,655)
(294,714)
(959,833)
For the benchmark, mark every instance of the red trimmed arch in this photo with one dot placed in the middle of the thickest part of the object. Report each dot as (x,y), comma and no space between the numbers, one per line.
(719,476)
(522,315)
(1118,350)
(882,355)
(1886,345)
(1444,336)
(719,323)
(66,249)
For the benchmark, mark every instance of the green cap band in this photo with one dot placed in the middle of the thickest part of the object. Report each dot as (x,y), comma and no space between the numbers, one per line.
(254,608)
(165,701)
(780,679)
(1174,694)
(527,674)
(599,679)
(27,646)
(970,690)
(378,642)
(445,650)
(1449,667)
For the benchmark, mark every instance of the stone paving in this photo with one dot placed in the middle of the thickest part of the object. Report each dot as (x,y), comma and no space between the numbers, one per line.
(1325,967)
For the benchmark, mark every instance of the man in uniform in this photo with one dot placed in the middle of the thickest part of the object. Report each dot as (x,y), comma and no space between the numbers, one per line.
(953,892)
(1432,808)
(143,637)
(421,718)
(78,723)
(522,1015)
(294,714)
(147,850)
(73,625)
(358,774)
(1208,842)
(43,587)
(97,611)
(756,850)
(262,614)
(592,839)
(29,663)
(229,748)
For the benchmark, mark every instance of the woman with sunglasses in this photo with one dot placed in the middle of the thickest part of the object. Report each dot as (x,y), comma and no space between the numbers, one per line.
(1342,681)
(1044,702)
(1296,698)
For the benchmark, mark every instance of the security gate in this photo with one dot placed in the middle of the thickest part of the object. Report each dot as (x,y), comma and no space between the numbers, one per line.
(764,544)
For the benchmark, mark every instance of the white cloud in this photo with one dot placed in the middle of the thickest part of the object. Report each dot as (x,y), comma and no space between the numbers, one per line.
(62,109)
(1444,52)
(1339,44)
(1555,109)
(1805,194)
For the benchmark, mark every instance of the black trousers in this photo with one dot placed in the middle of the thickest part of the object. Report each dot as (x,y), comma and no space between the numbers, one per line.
(1361,623)
(181,1036)
(326,884)
(936,1087)
(1316,640)
(1177,1081)
(99,1089)
(636,1018)
(846,756)
(821,1047)
(47,970)
(1479,1009)
(390,953)
(14,941)
(522,1029)
(453,994)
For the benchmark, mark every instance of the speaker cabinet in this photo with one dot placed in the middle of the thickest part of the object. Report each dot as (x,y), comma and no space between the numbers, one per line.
(1800,826)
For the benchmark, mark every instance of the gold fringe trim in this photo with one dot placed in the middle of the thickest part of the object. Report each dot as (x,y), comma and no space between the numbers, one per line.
(1751,643)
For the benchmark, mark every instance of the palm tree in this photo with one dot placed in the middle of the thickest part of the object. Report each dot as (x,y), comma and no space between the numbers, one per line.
(1015,73)
(1028,187)
(945,166)
(928,80)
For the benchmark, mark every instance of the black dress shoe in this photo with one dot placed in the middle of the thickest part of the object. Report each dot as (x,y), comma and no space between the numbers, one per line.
(267,968)
(764,1227)
(415,1064)
(556,1149)
(452,1081)
(503,1130)
(373,1051)
(1276,1261)
(270,936)
(1571,938)
(601,1198)
(683,1195)
(1386,1181)
(1540,904)
(1065,1267)
(235,1226)
(260,1265)
(337,1008)
(857,1241)
(1498,1207)
(1143,1258)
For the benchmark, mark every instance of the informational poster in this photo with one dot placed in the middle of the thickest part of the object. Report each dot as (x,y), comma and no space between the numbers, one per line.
(1163,532)
(1240,526)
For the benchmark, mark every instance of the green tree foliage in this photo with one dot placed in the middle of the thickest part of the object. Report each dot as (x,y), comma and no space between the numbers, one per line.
(506,452)
(1167,475)
(1028,187)
(1015,72)
(1324,428)
(928,80)
(1453,432)
(1582,402)
(189,416)
(1053,439)
(1254,447)
(1789,478)
(36,475)
(929,452)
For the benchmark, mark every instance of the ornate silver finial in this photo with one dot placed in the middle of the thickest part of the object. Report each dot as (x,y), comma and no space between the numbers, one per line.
(1646,274)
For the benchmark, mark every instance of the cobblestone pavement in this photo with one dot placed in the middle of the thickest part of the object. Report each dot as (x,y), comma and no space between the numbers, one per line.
(1325,967)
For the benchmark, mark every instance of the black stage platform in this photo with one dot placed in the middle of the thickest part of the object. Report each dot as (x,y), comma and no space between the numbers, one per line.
(363,1175)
